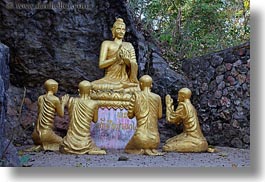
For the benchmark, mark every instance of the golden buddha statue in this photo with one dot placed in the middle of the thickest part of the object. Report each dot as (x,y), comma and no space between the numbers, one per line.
(147,108)
(119,61)
(192,139)
(48,104)
(82,111)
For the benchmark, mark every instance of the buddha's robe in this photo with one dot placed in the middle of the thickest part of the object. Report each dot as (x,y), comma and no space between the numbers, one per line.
(119,72)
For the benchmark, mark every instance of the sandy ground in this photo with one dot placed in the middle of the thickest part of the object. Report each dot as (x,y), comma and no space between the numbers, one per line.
(225,157)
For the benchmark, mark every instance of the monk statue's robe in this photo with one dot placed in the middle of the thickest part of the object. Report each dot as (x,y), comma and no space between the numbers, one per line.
(147,108)
(43,133)
(78,139)
(191,139)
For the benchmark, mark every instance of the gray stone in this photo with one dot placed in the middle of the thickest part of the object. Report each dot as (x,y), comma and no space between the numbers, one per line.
(241,78)
(234,72)
(212,86)
(225,115)
(228,66)
(240,116)
(225,101)
(246,139)
(238,63)
(231,80)
(8,152)
(218,94)
(204,65)
(225,92)
(237,102)
(212,103)
(246,104)
(216,60)
(220,69)
(229,57)
(204,86)
(245,87)
(239,90)
(219,79)
(221,86)
(236,142)
(243,69)
(235,124)
(210,73)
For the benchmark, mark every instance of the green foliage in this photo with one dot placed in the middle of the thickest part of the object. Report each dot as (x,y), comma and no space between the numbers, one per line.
(188,28)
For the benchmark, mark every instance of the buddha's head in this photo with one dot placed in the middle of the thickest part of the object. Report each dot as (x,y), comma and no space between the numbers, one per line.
(118,30)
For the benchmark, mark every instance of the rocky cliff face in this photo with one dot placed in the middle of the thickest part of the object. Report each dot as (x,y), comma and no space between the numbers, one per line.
(64,44)
(4,82)
(8,154)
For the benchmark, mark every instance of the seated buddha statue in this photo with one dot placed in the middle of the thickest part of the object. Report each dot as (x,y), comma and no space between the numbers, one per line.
(118,60)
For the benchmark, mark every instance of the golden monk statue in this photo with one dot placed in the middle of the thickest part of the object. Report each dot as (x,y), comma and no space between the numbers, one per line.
(147,108)
(82,111)
(119,61)
(192,139)
(48,104)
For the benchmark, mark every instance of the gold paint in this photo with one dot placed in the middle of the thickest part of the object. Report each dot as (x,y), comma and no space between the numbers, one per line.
(48,105)
(82,112)
(119,61)
(191,139)
(111,99)
(147,108)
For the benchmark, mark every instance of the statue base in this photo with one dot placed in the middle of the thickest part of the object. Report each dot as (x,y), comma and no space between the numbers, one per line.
(111,99)
(113,129)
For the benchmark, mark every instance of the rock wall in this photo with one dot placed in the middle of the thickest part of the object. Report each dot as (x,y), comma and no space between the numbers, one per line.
(8,154)
(220,83)
(64,44)
(4,81)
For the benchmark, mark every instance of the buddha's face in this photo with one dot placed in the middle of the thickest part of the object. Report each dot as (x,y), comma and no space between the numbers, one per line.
(119,31)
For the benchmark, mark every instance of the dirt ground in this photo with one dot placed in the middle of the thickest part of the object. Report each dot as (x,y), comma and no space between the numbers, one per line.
(224,157)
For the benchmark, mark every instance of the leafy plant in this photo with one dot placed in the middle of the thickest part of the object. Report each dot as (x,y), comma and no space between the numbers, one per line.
(188,28)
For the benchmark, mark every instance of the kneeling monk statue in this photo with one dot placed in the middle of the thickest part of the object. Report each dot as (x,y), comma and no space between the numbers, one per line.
(43,135)
(192,139)
(147,108)
(82,111)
